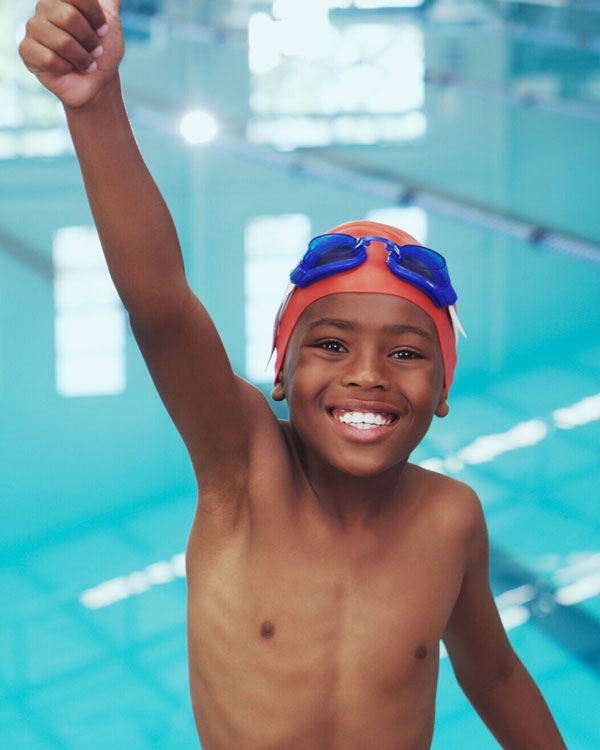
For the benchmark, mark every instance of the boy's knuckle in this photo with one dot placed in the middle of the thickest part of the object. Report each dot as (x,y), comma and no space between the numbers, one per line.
(51,62)
(43,8)
(58,65)
(64,45)
(47,58)
(27,54)
(33,26)
(67,15)
(41,61)
(22,50)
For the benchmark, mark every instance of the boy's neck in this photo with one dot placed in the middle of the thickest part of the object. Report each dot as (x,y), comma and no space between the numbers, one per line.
(353,502)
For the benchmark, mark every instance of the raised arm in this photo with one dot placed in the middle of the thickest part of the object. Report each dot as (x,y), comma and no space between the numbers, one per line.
(486,667)
(209,405)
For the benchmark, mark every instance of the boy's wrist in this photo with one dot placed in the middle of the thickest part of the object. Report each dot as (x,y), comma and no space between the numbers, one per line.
(106,96)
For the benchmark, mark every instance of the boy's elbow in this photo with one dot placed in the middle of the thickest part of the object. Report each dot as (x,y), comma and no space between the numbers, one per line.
(483,681)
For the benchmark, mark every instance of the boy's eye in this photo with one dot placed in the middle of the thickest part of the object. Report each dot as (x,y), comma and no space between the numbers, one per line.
(330,346)
(407,354)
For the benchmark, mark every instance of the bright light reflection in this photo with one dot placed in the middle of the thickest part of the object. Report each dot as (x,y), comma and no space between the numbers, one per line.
(32,143)
(583,589)
(584,564)
(89,321)
(314,84)
(289,133)
(582,412)
(273,245)
(198,127)
(411,219)
(361,68)
(300,29)
(123,587)
(373,4)
(488,447)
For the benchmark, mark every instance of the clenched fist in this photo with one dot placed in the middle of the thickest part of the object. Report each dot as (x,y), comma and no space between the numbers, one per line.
(74,47)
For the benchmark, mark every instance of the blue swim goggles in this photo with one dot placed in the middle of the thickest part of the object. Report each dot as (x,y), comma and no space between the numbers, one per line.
(329,254)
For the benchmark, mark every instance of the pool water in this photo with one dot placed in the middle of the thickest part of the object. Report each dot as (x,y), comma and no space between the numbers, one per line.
(476,127)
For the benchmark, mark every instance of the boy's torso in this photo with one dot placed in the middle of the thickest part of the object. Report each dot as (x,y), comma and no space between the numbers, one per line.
(302,635)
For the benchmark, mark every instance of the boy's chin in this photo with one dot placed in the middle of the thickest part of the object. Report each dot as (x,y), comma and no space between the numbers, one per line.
(366,469)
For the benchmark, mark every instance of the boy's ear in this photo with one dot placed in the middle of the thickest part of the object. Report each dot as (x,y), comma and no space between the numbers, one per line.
(278,393)
(442,408)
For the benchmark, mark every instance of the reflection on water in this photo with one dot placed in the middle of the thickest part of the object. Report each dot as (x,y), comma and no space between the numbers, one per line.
(411,219)
(89,321)
(273,246)
(313,83)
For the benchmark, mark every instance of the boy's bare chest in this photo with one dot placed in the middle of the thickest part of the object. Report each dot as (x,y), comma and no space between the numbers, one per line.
(285,611)
(403,590)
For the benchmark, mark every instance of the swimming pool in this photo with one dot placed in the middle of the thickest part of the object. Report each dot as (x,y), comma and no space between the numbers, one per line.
(473,125)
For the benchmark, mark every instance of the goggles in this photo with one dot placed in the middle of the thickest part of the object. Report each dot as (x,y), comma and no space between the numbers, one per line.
(328,254)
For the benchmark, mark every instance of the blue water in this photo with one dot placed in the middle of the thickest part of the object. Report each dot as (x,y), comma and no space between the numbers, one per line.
(496,167)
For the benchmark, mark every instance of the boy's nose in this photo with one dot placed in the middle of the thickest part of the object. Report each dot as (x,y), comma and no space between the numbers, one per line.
(366,371)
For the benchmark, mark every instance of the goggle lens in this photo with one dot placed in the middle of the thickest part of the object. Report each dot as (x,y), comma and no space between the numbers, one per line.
(420,260)
(330,249)
(326,255)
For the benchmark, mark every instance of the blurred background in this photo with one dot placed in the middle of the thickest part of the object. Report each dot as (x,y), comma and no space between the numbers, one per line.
(473,125)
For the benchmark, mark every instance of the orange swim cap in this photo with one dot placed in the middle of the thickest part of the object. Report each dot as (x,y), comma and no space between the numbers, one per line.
(371,276)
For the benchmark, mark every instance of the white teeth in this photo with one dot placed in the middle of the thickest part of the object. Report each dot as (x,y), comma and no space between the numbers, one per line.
(363,421)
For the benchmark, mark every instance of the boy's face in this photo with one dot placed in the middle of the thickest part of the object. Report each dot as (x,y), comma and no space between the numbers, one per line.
(371,354)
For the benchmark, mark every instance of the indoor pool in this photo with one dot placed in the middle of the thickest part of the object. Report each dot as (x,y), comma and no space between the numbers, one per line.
(475,126)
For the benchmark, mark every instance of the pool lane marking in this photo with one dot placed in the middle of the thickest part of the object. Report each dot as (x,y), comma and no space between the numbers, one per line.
(486,448)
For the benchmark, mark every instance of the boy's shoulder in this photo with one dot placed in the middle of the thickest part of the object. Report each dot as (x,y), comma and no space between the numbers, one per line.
(438,482)
(452,500)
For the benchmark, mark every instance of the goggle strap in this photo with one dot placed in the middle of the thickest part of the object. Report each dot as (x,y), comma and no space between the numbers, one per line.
(456,322)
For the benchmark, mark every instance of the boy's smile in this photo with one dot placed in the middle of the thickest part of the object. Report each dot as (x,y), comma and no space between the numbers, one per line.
(363,378)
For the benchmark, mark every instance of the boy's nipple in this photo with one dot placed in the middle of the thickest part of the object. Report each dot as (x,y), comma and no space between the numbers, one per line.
(421,652)
(267,629)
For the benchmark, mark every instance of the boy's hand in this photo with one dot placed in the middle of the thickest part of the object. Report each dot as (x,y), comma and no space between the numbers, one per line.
(62,43)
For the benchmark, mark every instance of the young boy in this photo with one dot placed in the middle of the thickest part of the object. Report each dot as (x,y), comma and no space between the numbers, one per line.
(323,568)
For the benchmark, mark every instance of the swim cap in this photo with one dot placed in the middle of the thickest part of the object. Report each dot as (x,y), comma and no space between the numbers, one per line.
(375,277)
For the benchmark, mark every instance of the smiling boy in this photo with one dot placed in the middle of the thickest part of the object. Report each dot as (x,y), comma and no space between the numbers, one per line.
(323,567)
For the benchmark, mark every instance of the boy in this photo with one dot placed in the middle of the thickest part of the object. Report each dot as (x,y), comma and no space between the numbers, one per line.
(323,568)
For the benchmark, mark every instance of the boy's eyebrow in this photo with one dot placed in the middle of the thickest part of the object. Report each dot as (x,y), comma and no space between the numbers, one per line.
(346,325)
(335,322)
(399,328)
